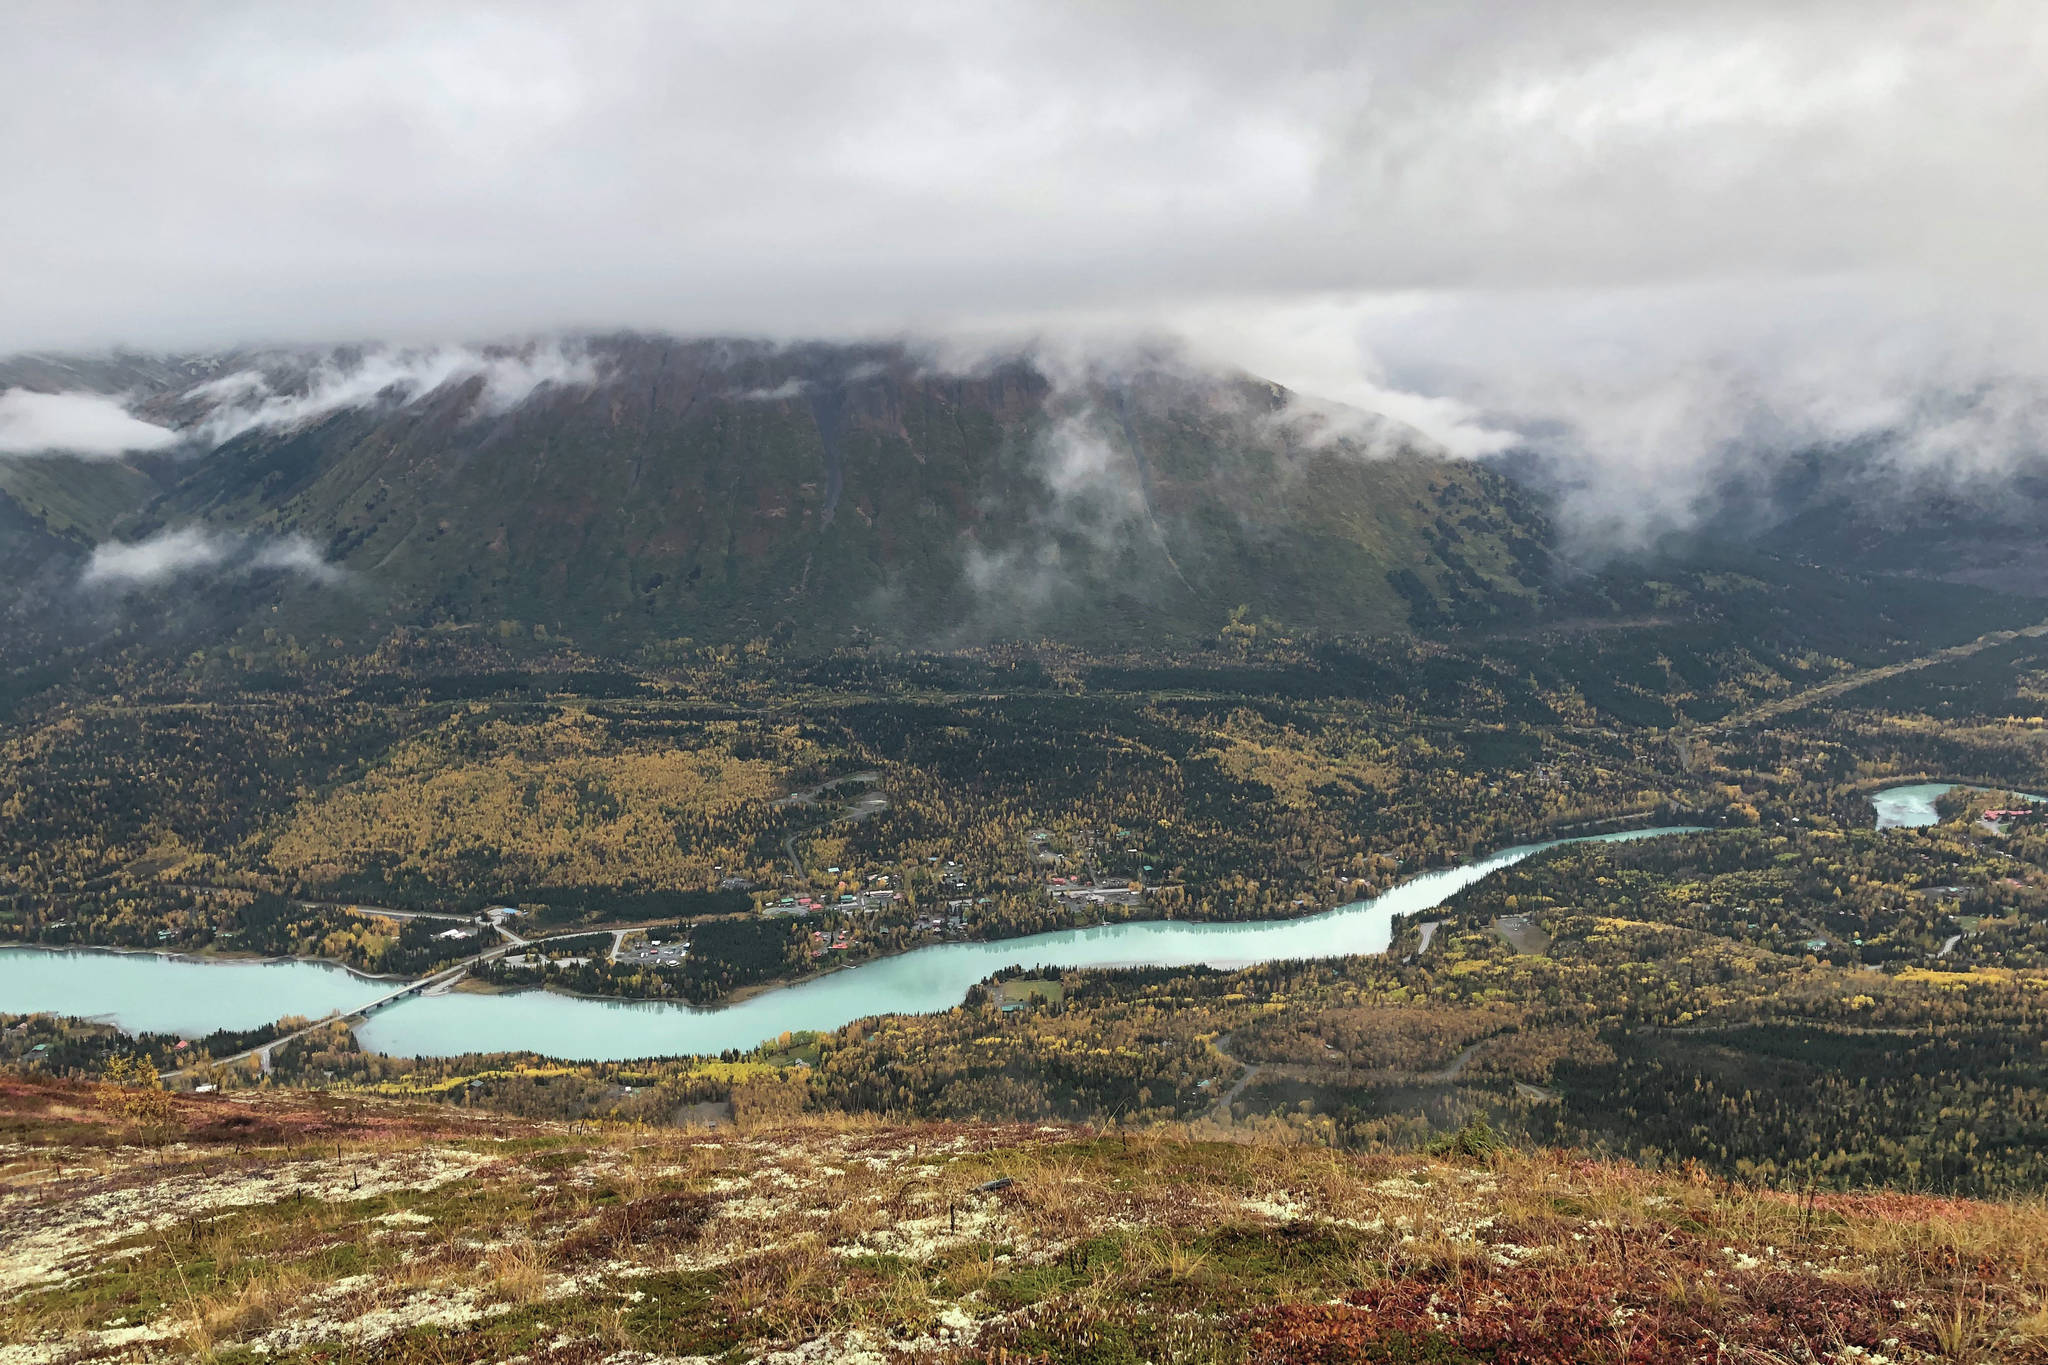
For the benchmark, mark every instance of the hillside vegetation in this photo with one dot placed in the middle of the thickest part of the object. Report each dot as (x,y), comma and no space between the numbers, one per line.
(569,801)
(725,490)
(302,1228)
(171,802)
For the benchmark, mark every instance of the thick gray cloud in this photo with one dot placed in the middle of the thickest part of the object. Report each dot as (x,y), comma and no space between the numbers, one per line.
(1487,219)
(1650,395)
(225,173)
(89,424)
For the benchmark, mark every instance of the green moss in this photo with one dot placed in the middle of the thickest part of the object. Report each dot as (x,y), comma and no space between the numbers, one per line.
(1262,1259)
(885,1265)
(1404,1348)
(680,1314)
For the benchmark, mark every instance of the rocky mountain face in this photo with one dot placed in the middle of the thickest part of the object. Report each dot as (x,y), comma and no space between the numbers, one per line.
(630,489)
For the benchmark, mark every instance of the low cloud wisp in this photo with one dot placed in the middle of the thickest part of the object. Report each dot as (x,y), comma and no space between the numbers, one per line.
(266,399)
(176,553)
(92,426)
(282,391)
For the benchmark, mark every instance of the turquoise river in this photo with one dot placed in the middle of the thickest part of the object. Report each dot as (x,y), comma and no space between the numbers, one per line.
(152,992)
(158,993)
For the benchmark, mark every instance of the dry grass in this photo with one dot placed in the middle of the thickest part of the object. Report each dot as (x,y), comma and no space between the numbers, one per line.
(262,1301)
(518,1273)
(1147,1244)
(1168,1256)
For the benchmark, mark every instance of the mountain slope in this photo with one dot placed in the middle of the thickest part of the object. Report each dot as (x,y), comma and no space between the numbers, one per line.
(725,490)
(83,500)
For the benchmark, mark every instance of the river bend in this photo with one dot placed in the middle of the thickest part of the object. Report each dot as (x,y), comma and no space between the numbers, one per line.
(147,992)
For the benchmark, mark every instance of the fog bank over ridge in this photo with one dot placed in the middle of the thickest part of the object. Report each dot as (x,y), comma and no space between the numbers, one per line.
(1636,438)
(1653,244)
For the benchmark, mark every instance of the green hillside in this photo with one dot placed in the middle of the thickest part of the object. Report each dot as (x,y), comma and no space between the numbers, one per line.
(82,500)
(722,491)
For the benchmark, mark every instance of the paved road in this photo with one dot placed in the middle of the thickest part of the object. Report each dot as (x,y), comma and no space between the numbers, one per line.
(873,803)
(384,912)
(347,907)
(796,860)
(262,1053)
(1457,1065)
(1863,677)
(446,976)
(1219,1112)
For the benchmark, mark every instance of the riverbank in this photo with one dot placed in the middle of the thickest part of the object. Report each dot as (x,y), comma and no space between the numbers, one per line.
(926,979)
(1917,805)
(1870,787)
(1624,825)
(215,959)
(739,995)
(923,980)
(191,996)
(1141,914)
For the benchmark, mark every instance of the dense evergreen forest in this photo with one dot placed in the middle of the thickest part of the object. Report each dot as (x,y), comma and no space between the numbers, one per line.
(1262,775)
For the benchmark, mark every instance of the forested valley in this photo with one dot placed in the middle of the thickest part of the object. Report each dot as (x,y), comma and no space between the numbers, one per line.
(1787,995)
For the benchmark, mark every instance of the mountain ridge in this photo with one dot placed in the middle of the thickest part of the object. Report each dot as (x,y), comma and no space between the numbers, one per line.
(719,490)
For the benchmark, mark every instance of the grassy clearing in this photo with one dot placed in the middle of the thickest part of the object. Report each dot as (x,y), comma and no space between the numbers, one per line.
(1031,991)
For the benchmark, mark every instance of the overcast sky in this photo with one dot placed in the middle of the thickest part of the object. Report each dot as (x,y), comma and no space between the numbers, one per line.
(1489,218)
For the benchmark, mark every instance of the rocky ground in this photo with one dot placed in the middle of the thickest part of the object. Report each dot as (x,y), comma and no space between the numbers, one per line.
(289,1226)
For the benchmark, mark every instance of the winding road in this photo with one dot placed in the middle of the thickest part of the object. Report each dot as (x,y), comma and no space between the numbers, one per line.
(1219,1112)
(1863,677)
(346,907)
(873,803)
